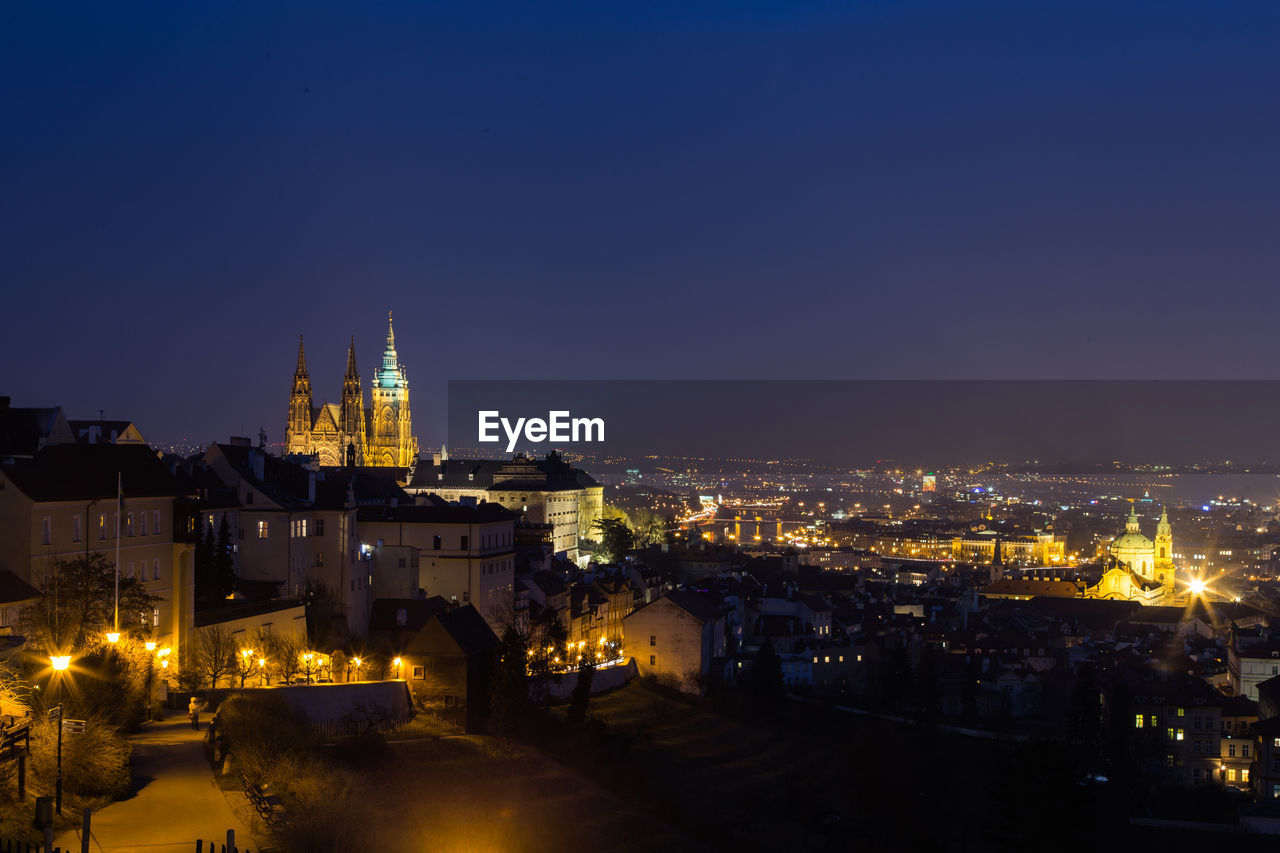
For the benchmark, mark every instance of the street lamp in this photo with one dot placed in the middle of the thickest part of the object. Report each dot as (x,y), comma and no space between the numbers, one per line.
(397,663)
(113,637)
(60,662)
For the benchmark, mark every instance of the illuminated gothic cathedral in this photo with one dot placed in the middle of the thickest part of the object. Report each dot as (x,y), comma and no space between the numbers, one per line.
(346,432)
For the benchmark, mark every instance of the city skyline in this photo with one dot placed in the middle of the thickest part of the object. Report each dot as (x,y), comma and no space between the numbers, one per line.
(820,191)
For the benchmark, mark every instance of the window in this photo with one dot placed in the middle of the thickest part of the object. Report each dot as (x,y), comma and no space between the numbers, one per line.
(465,541)
(435,543)
(401,563)
(653,660)
(1182,712)
(155,522)
(653,639)
(1244,775)
(319,527)
(419,673)
(1231,750)
(75,528)
(102,526)
(302,528)
(1197,721)
(155,617)
(1137,723)
(129,571)
(1195,775)
(142,524)
(128,524)
(1244,750)
(46,531)
(262,530)
(1231,774)
(155,569)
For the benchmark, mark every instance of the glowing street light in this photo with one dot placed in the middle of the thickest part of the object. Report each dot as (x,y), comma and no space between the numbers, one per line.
(1197,586)
(113,637)
(151,645)
(60,663)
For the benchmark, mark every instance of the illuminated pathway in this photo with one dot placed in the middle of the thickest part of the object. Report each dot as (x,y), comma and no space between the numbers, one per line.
(175,802)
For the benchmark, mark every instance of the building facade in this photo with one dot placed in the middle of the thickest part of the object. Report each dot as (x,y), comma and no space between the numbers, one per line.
(346,432)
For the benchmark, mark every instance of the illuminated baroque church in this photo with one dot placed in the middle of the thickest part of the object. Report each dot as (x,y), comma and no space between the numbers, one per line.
(347,432)
(1143,570)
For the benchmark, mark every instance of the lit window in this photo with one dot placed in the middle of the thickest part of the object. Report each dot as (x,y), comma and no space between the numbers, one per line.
(262,530)
(1231,774)
(1137,723)
(1179,736)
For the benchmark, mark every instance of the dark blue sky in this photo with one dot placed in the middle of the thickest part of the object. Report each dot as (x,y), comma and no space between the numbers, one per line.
(641,190)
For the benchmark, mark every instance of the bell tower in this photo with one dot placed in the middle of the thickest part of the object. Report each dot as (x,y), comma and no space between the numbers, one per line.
(298,432)
(352,426)
(1164,569)
(391,441)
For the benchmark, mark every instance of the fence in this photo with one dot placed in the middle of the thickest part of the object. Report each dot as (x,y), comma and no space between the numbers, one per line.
(344,728)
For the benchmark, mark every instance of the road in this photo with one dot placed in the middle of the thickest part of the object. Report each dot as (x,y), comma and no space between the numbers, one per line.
(175,801)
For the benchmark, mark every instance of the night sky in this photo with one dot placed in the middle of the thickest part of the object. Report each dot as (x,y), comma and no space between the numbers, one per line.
(639,190)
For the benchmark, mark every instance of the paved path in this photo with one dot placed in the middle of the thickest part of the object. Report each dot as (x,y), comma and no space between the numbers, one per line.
(175,800)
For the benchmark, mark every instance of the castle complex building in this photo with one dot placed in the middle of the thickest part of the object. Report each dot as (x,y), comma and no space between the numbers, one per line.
(347,432)
(1143,570)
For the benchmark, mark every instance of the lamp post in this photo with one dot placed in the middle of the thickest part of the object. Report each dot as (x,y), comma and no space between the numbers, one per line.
(60,663)
(262,670)
(397,663)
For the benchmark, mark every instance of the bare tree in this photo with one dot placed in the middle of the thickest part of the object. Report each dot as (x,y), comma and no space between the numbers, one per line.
(283,654)
(213,652)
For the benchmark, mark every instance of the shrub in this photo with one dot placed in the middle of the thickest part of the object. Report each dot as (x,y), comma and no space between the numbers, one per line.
(95,763)
(261,730)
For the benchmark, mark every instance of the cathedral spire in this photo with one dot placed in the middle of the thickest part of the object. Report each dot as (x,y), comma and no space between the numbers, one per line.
(351,360)
(301,369)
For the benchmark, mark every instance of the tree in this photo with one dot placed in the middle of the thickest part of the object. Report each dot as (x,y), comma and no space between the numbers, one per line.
(224,571)
(649,528)
(615,538)
(213,653)
(283,654)
(549,651)
(509,687)
(326,616)
(79,606)
(206,583)
(581,694)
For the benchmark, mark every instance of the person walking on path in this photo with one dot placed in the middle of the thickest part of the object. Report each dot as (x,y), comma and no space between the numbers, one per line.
(193,711)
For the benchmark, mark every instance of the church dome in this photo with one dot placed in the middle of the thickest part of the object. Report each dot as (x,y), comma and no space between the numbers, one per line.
(1132,542)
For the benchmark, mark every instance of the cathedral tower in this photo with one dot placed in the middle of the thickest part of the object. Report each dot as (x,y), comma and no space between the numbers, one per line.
(1164,569)
(391,441)
(352,426)
(298,432)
